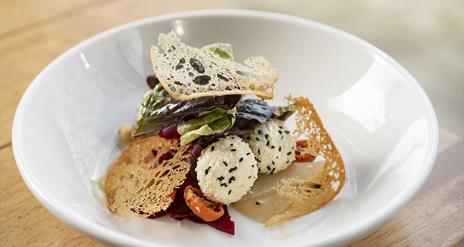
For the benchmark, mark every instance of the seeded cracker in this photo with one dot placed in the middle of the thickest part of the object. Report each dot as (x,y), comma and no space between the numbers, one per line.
(309,195)
(187,72)
(138,183)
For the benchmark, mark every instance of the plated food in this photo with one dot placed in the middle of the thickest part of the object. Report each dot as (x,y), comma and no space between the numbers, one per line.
(205,139)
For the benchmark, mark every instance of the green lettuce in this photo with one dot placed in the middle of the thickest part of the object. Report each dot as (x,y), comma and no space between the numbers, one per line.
(207,123)
(221,49)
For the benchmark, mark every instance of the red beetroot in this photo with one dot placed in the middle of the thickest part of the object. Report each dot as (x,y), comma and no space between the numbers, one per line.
(170,132)
(195,150)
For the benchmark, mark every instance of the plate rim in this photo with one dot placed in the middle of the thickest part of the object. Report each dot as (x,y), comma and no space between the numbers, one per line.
(102,233)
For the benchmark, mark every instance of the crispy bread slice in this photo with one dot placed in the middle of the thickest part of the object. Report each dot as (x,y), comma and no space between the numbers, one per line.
(307,195)
(187,72)
(138,182)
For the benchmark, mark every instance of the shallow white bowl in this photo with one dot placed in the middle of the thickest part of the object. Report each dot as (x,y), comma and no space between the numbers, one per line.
(64,133)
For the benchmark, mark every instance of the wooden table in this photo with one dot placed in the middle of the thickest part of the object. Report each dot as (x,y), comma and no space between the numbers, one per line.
(34,32)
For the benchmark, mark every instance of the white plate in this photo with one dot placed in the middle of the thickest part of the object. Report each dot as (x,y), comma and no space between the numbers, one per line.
(64,132)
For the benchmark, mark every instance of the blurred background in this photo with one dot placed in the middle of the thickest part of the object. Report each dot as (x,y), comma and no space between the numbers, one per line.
(425,36)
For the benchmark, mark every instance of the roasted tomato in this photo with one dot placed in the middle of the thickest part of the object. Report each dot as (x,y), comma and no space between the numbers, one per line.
(299,157)
(200,206)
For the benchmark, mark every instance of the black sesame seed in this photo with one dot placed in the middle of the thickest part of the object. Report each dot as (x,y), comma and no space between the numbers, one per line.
(267,143)
(248,153)
(272,171)
(224,184)
(225,163)
(272,147)
(287,132)
(280,148)
(232,169)
(280,132)
(258,160)
(182,60)
(257,139)
(231,179)
(253,166)
(231,144)
(259,151)
(249,177)
(233,150)
(220,178)
(230,191)
(259,132)
(212,148)
(273,162)
(258,203)
(266,136)
(289,153)
(207,170)
(268,167)
(241,159)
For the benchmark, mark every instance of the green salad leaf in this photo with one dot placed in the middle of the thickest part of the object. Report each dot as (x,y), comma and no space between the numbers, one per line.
(154,117)
(207,123)
(153,100)
(221,49)
(202,119)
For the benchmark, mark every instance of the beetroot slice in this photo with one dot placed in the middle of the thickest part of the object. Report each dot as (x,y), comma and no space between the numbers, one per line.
(225,223)
(157,215)
(170,132)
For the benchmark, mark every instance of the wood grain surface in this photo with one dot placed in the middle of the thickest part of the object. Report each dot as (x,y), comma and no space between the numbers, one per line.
(34,32)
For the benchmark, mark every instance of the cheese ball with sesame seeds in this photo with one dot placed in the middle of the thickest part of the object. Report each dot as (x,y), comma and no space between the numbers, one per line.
(273,146)
(226,170)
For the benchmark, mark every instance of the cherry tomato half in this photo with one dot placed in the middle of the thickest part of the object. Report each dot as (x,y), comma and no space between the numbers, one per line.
(302,157)
(173,194)
(202,207)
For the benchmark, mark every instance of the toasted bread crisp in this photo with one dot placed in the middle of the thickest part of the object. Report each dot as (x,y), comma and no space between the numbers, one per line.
(142,180)
(307,195)
(187,72)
